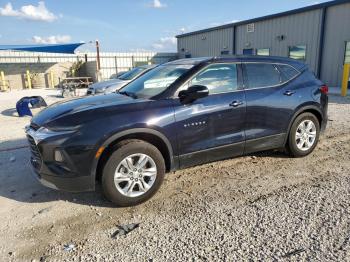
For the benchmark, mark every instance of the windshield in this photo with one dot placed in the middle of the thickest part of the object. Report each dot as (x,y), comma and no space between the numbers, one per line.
(155,81)
(132,73)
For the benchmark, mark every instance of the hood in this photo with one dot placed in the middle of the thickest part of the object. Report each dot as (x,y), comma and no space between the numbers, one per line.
(78,105)
(105,84)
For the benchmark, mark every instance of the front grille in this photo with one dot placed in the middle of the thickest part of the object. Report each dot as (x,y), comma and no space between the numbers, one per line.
(36,157)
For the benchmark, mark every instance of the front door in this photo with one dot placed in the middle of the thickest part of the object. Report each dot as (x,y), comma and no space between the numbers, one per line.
(212,128)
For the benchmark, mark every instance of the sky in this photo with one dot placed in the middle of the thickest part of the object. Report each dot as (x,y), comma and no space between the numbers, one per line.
(125,25)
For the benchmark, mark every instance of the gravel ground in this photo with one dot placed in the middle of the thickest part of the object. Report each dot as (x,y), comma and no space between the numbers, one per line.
(259,207)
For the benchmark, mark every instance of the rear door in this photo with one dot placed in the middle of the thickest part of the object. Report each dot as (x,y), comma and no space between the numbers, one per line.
(271,99)
(212,128)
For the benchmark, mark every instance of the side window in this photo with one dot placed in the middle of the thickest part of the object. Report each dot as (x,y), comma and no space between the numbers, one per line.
(262,75)
(287,72)
(218,78)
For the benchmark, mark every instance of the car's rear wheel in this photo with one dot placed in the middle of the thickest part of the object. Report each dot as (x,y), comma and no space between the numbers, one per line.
(303,135)
(133,173)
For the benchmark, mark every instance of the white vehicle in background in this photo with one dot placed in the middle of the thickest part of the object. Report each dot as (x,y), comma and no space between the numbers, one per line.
(114,84)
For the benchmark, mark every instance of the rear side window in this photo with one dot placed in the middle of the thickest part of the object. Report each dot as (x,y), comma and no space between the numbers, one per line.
(288,72)
(262,75)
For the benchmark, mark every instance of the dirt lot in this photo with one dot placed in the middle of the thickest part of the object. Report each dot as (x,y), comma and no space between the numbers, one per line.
(261,207)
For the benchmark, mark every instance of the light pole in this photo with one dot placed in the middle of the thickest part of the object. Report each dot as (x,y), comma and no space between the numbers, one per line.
(98,62)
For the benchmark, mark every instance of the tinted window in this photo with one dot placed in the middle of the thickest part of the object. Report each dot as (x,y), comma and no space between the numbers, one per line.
(288,72)
(248,51)
(218,78)
(132,73)
(262,75)
(297,52)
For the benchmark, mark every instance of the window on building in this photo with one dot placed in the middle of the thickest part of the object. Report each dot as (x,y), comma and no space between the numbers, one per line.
(188,55)
(218,78)
(262,75)
(347,53)
(288,72)
(250,28)
(297,52)
(248,51)
(263,51)
(225,52)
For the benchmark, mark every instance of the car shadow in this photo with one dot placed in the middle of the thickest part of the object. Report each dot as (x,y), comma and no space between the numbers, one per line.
(19,184)
(270,153)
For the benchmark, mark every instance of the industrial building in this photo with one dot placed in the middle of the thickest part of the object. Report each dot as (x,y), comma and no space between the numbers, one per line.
(317,34)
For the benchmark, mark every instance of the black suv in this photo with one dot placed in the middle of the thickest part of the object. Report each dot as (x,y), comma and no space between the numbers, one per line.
(179,114)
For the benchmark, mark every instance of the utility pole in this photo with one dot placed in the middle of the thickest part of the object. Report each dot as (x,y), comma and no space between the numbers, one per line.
(98,55)
(98,62)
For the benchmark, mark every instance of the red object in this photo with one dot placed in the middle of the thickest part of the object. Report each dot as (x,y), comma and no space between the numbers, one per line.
(324,89)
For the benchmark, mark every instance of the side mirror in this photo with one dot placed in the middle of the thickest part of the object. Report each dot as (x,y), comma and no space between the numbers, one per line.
(193,93)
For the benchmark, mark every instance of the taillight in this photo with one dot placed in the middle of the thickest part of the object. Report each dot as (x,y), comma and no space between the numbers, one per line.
(324,89)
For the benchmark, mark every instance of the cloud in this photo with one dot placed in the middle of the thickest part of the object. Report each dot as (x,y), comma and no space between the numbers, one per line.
(165,44)
(29,12)
(157,4)
(222,23)
(54,39)
(183,30)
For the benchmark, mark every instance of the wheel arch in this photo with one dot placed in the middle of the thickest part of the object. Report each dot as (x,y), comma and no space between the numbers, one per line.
(305,109)
(151,136)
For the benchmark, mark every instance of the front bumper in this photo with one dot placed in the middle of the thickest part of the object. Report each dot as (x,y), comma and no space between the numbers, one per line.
(66,176)
(71,184)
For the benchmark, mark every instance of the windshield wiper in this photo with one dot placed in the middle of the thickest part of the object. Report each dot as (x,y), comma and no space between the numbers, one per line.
(125,93)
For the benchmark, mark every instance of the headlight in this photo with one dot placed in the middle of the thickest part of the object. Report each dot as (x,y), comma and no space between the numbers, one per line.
(44,133)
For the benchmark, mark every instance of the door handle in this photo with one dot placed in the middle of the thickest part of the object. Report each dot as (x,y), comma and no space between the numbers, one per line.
(236,103)
(289,93)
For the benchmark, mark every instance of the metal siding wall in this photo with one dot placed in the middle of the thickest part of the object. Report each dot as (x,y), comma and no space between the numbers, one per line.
(337,32)
(299,29)
(111,62)
(214,43)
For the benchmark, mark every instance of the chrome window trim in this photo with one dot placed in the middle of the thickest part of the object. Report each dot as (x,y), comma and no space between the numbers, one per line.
(261,87)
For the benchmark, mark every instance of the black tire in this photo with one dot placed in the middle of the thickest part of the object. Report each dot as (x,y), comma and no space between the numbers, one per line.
(292,147)
(123,150)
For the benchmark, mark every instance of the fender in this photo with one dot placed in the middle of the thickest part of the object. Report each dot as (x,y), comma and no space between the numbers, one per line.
(298,112)
(111,139)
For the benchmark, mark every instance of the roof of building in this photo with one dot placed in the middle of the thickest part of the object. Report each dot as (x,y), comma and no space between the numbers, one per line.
(47,48)
(262,18)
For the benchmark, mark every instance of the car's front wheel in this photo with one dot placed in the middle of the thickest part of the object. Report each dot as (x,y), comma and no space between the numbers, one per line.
(133,173)
(303,135)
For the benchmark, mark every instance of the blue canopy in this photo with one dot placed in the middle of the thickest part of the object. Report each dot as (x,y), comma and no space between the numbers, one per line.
(56,48)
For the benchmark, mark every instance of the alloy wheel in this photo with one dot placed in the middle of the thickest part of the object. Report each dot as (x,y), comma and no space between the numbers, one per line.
(305,135)
(135,175)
